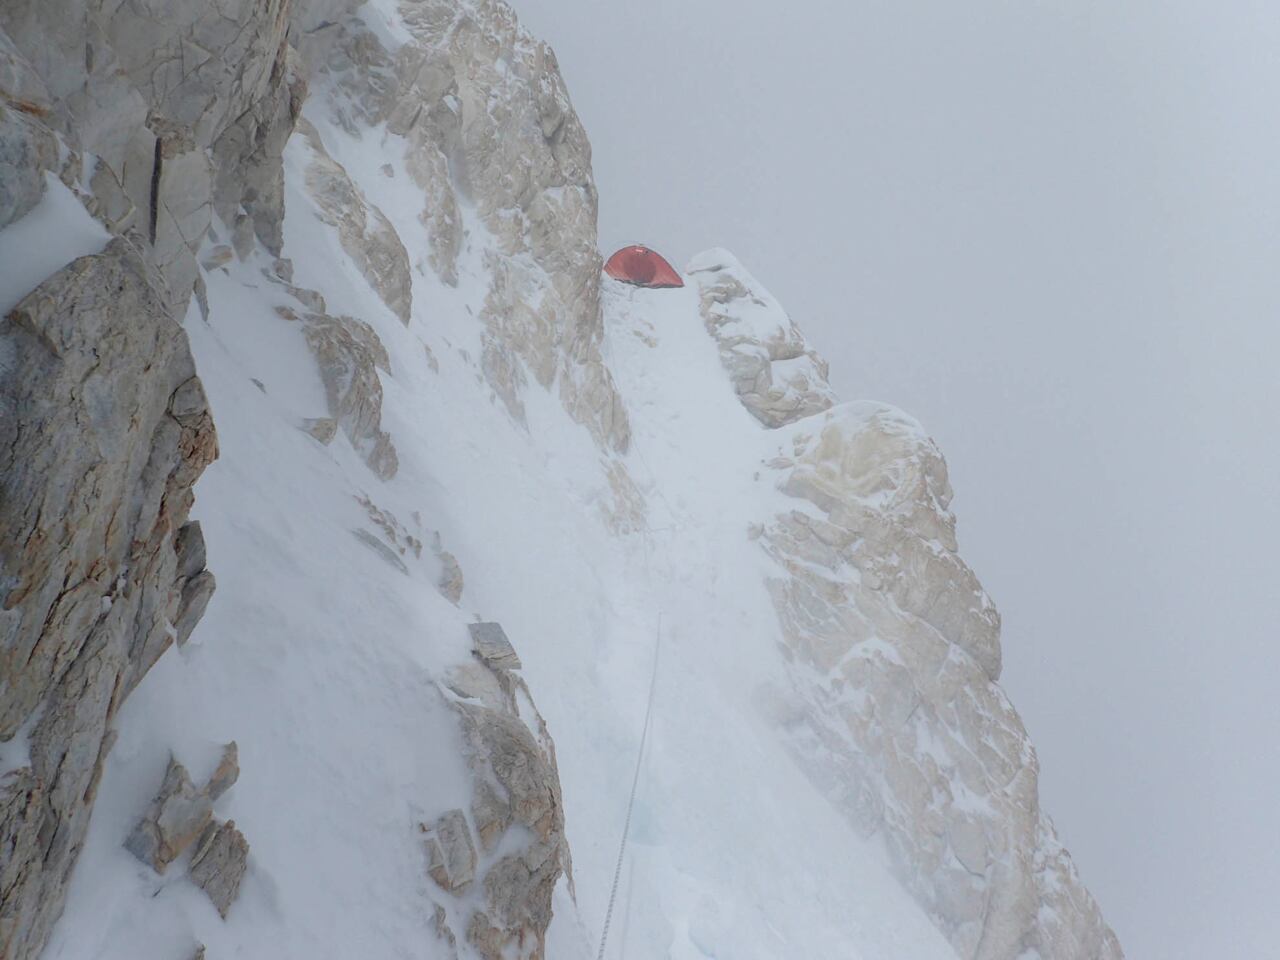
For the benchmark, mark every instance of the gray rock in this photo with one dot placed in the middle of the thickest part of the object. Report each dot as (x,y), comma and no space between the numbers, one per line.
(247,155)
(218,256)
(21,165)
(364,231)
(451,581)
(189,401)
(893,644)
(483,110)
(177,816)
(515,806)
(381,549)
(219,864)
(489,642)
(226,773)
(155,99)
(242,236)
(95,477)
(349,354)
(775,374)
(323,429)
(189,545)
(196,594)
(21,87)
(451,854)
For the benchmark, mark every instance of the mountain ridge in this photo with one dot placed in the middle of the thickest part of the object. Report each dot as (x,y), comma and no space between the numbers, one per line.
(375,225)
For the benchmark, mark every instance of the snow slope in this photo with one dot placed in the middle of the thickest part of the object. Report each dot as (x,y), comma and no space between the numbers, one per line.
(319,656)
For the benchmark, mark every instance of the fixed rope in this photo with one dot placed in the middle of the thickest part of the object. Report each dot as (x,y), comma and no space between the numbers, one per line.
(631,802)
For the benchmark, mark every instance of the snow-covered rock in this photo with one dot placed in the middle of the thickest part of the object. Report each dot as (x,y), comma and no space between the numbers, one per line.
(893,708)
(893,648)
(387,217)
(519,851)
(777,377)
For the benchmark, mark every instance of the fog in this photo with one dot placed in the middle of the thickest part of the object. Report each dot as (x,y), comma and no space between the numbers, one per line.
(1052,232)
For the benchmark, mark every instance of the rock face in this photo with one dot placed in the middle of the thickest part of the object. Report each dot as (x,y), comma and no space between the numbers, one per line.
(365,233)
(144,103)
(349,355)
(486,118)
(104,430)
(777,377)
(518,850)
(892,706)
(157,119)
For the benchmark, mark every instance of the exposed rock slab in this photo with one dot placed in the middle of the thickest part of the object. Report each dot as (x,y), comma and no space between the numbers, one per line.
(349,355)
(516,807)
(177,817)
(489,642)
(151,99)
(451,854)
(101,437)
(364,231)
(219,864)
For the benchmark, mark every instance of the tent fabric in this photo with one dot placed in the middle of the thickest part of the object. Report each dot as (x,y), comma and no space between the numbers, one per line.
(643,267)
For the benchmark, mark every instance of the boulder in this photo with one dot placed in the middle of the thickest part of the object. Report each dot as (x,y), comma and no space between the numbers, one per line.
(489,643)
(219,864)
(451,855)
(176,818)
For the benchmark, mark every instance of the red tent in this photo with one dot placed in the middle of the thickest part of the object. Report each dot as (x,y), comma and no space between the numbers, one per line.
(642,267)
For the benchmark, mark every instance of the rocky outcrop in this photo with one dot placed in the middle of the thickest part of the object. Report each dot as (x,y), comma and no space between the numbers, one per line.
(177,816)
(364,231)
(499,861)
(145,103)
(104,430)
(893,708)
(892,705)
(489,642)
(776,376)
(159,121)
(349,355)
(219,863)
(27,150)
(487,121)
(395,542)
(180,818)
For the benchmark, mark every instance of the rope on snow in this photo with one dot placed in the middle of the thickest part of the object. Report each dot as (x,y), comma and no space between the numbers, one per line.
(631,802)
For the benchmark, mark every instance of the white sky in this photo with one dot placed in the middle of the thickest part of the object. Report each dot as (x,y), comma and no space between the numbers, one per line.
(1051,231)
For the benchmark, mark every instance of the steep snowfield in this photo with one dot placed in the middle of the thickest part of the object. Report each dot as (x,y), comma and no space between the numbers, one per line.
(319,654)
